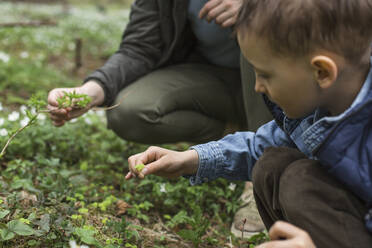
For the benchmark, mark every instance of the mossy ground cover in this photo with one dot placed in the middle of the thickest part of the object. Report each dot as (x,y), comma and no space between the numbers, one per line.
(65,186)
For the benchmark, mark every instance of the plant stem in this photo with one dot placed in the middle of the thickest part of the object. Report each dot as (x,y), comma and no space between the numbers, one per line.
(112,107)
(244,221)
(44,111)
(15,134)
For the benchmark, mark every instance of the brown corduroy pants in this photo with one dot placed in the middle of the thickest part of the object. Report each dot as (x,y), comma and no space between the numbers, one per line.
(290,187)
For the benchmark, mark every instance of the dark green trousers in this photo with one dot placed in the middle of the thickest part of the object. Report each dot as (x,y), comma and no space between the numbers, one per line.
(192,102)
(288,186)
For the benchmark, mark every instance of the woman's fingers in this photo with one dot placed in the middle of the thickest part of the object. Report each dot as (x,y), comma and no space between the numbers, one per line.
(215,13)
(52,98)
(208,7)
(229,22)
(58,123)
(224,12)
(224,17)
(60,115)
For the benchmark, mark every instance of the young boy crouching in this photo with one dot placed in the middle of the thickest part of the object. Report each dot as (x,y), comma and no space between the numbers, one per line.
(312,165)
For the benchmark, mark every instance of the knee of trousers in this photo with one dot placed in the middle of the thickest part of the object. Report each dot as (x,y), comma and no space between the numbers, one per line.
(268,169)
(132,122)
(299,187)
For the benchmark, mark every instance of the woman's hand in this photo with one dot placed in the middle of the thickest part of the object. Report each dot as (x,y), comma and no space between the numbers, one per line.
(292,236)
(60,115)
(163,162)
(224,12)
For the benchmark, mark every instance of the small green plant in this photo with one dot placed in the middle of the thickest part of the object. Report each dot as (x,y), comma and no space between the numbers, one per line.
(136,210)
(199,226)
(73,100)
(86,235)
(126,230)
(37,104)
(140,167)
(14,227)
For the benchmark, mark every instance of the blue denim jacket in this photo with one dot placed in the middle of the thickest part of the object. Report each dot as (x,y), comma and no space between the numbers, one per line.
(343,145)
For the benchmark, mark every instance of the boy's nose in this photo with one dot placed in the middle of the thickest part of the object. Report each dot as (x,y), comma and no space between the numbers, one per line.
(259,87)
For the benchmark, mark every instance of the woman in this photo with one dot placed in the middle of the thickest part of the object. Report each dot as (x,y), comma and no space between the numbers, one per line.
(177,76)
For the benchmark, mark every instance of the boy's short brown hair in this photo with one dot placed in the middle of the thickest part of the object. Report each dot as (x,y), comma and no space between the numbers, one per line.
(298,27)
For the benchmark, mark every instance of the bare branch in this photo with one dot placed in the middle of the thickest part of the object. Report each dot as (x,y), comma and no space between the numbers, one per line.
(28,24)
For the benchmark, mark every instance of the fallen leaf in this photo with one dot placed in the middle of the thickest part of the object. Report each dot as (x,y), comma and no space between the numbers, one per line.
(27,199)
(121,207)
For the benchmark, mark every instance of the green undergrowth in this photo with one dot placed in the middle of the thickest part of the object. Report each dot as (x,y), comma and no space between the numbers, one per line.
(40,58)
(68,184)
(63,187)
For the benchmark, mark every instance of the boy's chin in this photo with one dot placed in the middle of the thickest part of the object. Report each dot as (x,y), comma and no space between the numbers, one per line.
(294,115)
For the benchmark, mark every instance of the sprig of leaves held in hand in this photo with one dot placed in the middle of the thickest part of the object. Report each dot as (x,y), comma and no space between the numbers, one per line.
(36,105)
(73,100)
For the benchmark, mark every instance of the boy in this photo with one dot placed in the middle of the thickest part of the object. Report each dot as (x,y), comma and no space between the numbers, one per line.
(313,163)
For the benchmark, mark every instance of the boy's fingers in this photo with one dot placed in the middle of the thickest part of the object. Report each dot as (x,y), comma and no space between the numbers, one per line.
(133,161)
(283,229)
(276,244)
(129,176)
(154,167)
(151,158)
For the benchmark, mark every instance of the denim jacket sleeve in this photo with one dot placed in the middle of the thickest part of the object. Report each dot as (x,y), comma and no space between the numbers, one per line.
(233,156)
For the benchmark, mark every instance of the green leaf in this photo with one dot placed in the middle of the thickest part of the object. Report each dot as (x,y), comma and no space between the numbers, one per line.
(89,240)
(24,184)
(188,234)
(32,216)
(20,228)
(29,114)
(6,234)
(86,236)
(139,167)
(4,213)
(83,210)
(44,222)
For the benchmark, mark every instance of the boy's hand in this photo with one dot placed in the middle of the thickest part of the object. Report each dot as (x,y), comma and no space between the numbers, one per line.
(224,12)
(163,162)
(294,237)
(60,115)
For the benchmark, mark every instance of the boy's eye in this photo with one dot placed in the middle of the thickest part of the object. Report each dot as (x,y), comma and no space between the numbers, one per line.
(263,76)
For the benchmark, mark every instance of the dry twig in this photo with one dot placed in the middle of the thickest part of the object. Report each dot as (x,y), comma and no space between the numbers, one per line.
(28,24)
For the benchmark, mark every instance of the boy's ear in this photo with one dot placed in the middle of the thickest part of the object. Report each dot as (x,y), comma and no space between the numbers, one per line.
(325,70)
